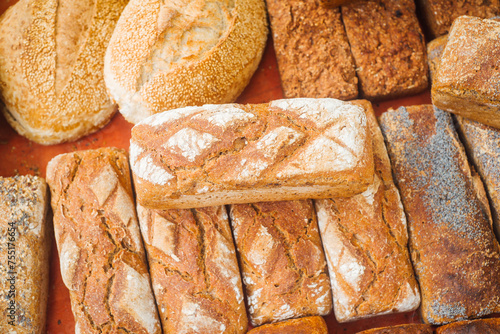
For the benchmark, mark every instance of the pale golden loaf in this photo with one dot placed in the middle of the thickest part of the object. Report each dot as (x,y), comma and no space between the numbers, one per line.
(51,67)
(170,54)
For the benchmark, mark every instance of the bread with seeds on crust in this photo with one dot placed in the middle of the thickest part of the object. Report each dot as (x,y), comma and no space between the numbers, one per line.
(170,54)
(51,67)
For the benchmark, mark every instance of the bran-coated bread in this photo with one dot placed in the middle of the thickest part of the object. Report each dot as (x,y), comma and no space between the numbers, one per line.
(453,248)
(171,54)
(307,325)
(481,326)
(102,258)
(25,236)
(51,67)
(224,154)
(194,270)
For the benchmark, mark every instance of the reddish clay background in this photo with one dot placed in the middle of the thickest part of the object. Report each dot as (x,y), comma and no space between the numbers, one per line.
(21,156)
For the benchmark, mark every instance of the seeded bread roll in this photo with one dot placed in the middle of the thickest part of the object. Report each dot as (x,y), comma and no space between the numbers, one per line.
(481,326)
(51,67)
(312,50)
(224,154)
(401,329)
(282,260)
(467,82)
(171,54)
(453,249)
(195,273)
(307,325)
(366,244)
(102,258)
(24,254)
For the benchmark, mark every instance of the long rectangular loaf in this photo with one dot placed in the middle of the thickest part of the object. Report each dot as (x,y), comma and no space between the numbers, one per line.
(453,249)
(195,273)
(225,154)
(467,82)
(282,260)
(365,241)
(307,325)
(313,54)
(24,254)
(388,47)
(481,326)
(103,263)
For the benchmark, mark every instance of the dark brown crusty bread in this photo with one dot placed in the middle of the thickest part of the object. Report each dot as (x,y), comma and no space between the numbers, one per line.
(388,47)
(24,266)
(194,270)
(481,326)
(435,49)
(225,154)
(103,263)
(467,82)
(335,3)
(282,260)
(440,14)
(453,249)
(366,244)
(307,325)
(401,329)
(312,50)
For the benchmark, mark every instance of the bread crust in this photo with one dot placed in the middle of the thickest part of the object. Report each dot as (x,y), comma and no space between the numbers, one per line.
(453,249)
(282,261)
(51,67)
(194,270)
(366,241)
(166,55)
(103,263)
(401,329)
(481,326)
(312,50)
(24,267)
(435,49)
(468,80)
(223,154)
(307,325)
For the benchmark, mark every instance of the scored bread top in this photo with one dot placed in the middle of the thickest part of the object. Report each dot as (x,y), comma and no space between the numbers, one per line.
(249,153)
(170,54)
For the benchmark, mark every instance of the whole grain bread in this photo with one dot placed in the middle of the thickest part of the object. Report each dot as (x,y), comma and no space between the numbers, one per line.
(195,273)
(282,261)
(366,244)
(25,236)
(307,325)
(481,326)
(314,59)
(171,54)
(401,329)
(103,263)
(223,154)
(51,67)
(453,249)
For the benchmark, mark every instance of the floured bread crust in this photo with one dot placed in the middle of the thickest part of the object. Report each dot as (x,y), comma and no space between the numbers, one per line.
(222,154)
(102,258)
(51,67)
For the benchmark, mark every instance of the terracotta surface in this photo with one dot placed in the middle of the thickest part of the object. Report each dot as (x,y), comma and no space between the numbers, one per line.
(20,156)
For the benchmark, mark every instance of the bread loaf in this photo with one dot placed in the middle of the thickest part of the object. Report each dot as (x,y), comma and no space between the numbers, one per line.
(171,54)
(194,270)
(221,154)
(51,67)
(435,49)
(366,244)
(24,254)
(102,258)
(335,3)
(312,50)
(282,260)
(481,326)
(307,325)
(468,79)
(401,329)
(453,249)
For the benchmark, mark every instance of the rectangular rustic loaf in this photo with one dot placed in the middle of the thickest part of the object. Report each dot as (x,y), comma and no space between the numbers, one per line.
(467,82)
(312,51)
(282,260)
(225,154)
(454,251)
(307,325)
(195,273)
(481,326)
(401,329)
(24,254)
(103,263)
(388,47)
(366,244)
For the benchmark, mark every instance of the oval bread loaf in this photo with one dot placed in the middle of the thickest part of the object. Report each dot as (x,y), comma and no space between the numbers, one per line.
(171,54)
(51,67)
